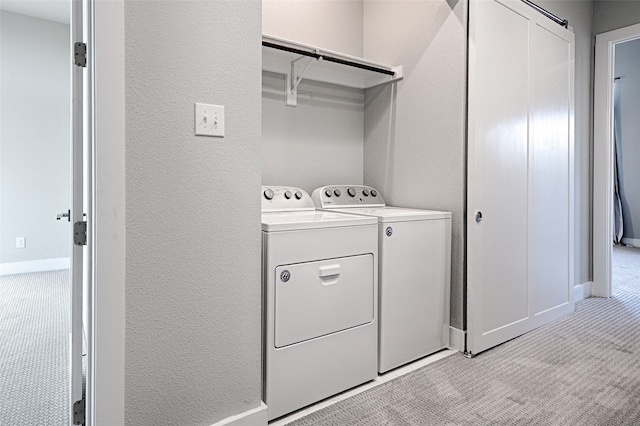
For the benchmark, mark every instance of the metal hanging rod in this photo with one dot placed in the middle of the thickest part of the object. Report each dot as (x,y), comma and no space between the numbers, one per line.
(560,21)
(328,58)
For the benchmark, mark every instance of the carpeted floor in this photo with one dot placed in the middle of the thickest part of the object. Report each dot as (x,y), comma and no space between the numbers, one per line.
(583,369)
(34,333)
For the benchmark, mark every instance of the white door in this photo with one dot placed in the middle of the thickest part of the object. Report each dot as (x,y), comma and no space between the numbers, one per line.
(78,240)
(519,172)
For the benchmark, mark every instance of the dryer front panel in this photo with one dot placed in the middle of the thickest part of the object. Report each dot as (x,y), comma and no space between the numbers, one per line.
(313,299)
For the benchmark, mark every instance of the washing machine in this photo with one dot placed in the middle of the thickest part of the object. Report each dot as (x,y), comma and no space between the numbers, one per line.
(414,271)
(320,297)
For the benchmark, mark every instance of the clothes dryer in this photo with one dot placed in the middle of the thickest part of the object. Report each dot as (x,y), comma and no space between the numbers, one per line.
(320,296)
(414,271)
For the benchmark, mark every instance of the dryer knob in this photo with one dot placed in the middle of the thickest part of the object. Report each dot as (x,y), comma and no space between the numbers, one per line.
(337,192)
(351,192)
(287,195)
(298,195)
(374,193)
(268,194)
(365,192)
(328,193)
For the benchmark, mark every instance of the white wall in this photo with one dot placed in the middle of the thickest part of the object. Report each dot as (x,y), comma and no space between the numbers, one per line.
(318,142)
(331,24)
(34,137)
(610,14)
(415,130)
(627,67)
(193,292)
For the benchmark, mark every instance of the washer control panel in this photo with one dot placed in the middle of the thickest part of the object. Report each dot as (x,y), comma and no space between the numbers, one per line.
(341,196)
(285,199)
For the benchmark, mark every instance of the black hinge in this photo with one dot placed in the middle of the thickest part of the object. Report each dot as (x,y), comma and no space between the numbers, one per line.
(78,412)
(80,54)
(80,233)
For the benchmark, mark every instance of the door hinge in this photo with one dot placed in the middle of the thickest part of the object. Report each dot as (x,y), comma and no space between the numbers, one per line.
(80,233)
(78,412)
(80,54)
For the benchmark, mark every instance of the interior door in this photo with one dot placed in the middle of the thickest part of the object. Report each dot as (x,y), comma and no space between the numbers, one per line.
(519,230)
(78,243)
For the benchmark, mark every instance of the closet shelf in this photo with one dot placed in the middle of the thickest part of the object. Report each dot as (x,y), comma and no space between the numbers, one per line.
(299,61)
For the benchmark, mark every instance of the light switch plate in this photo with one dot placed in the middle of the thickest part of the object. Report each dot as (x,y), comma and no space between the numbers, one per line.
(209,120)
(21,242)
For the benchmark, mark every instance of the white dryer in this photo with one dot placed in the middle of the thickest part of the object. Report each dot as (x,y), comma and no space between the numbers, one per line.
(414,272)
(320,295)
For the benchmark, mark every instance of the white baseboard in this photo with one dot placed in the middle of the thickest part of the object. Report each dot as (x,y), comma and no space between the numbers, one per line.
(456,339)
(631,242)
(34,266)
(256,417)
(582,291)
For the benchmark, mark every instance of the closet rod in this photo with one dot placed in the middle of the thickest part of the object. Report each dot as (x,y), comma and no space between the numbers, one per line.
(548,14)
(328,58)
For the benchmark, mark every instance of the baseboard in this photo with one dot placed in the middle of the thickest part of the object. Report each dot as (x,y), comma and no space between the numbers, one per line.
(256,417)
(456,339)
(582,291)
(631,242)
(34,266)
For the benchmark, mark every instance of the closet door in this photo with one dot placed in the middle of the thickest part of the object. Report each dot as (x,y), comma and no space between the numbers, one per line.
(518,223)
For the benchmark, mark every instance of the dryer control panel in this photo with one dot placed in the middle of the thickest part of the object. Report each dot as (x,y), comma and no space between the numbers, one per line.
(285,199)
(341,196)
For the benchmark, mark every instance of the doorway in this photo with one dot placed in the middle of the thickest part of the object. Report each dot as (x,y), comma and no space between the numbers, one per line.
(35,188)
(43,175)
(603,167)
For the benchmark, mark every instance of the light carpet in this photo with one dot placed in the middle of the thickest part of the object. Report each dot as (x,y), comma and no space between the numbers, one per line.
(34,333)
(583,369)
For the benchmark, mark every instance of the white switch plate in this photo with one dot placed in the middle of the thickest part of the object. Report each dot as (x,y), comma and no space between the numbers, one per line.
(20,242)
(209,120)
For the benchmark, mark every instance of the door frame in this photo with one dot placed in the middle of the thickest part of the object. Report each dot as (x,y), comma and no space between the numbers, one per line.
(603,155)
(106,49)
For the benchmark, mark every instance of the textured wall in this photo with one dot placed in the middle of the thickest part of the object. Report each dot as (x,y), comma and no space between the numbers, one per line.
(34,137)
(415,130)
(193,326)
(610,15)
(627,67)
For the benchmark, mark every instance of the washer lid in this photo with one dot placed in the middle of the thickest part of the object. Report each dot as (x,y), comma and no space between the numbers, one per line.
(299,220)
(396,214)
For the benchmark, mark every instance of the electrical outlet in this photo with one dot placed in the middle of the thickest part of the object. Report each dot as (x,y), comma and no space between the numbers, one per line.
(21,242)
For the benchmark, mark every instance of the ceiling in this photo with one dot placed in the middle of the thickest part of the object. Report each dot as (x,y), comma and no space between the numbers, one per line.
(52,10)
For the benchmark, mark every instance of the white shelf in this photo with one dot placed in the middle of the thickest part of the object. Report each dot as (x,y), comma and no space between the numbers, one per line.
(301,61)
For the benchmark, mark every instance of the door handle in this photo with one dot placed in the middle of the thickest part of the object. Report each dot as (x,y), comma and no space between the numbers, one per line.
(478,216)
(66,214)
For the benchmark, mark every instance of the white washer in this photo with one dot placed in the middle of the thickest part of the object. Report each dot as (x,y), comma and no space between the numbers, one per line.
(414,272)
(320,295)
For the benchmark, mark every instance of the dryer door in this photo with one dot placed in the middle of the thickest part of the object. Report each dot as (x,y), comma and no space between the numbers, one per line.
(314,299)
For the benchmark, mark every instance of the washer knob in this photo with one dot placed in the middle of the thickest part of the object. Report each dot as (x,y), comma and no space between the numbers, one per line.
(298,195)
(287,195)
(337,192)
(351,192)
(328,193)
(374,193)
(365,192)
(268,194)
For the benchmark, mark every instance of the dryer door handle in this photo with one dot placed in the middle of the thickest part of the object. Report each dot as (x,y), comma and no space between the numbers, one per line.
(327,271)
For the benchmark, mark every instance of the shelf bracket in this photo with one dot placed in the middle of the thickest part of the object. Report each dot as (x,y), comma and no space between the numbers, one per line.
(293,81)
